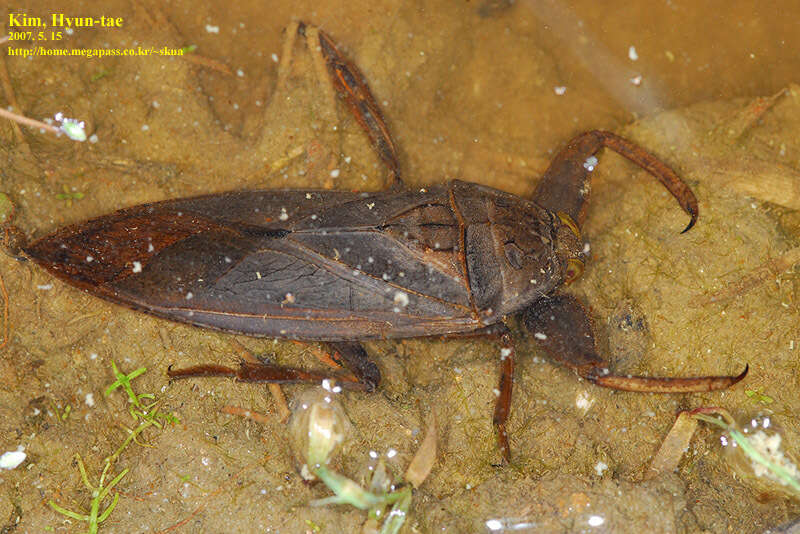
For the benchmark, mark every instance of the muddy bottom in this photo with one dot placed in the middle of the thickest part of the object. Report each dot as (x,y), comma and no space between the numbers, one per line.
(485,92)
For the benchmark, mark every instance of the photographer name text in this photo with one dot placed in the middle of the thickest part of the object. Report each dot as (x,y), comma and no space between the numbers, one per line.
(60,20)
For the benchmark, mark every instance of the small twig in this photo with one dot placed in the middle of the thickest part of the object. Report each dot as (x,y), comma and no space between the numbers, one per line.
(321,69)
(208,63)
(280,401)
(12,99)
(755,278)
(284,65)
(183,521)
(5,312)
(33,123)
(222,488)
(153,15)
(247,414)
(744,118)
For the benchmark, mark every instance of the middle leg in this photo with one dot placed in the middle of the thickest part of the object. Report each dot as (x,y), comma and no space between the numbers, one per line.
(350,84)
(501,334)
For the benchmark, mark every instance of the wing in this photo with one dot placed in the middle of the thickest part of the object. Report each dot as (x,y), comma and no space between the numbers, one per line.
(301,264)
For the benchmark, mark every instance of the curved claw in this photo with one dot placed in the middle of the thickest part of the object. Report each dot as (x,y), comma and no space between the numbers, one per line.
(565,185)
(665,385)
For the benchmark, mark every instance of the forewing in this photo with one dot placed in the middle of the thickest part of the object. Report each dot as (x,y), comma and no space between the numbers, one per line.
(317,265)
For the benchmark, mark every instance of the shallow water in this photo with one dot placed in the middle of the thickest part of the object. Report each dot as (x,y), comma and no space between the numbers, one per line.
(478,91)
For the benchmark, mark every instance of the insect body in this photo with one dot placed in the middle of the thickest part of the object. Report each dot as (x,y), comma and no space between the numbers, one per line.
(340,267)
(450,259)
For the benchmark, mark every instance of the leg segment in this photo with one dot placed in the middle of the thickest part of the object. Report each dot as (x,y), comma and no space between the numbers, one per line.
(562,328)
(565,185)
(352,355)
(352,87)
(502,407)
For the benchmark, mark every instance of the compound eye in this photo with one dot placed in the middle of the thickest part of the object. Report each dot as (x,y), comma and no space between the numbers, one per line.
(567,220)
(574,270)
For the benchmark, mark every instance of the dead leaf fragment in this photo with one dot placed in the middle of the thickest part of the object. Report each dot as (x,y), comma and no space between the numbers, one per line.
(675,444)
(422,463)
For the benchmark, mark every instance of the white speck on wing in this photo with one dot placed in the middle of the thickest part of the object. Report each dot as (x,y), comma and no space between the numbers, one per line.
(400,301)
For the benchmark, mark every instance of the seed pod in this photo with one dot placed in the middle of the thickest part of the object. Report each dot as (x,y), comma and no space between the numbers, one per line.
(757,451)
(317,429)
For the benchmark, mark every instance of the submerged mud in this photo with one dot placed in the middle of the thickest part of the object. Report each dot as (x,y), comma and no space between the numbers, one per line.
(709,301)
